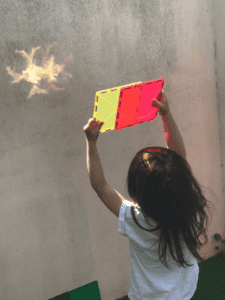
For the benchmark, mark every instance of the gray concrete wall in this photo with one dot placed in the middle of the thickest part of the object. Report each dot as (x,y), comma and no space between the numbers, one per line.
(55,233)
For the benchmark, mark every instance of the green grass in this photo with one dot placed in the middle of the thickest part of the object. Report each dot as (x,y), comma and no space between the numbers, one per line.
(211,283)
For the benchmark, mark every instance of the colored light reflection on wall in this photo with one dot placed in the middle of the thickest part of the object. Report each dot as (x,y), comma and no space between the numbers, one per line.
(49,71)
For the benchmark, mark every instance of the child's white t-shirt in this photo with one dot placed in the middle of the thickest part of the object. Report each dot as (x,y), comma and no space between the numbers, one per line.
(149,278)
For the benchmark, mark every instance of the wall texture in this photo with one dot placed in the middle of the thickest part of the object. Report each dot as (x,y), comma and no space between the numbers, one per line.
(55,233)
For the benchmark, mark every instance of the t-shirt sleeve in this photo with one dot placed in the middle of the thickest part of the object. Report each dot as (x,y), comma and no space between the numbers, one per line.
(122,217)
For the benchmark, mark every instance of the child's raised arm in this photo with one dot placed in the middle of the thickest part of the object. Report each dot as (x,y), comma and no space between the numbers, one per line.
(173,137)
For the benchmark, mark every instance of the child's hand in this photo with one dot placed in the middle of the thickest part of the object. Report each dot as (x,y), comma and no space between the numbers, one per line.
(92,129)
(163,105)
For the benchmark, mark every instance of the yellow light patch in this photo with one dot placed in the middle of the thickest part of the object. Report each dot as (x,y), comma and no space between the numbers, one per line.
(49,71)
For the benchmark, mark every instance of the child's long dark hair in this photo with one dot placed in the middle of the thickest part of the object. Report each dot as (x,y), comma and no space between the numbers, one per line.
(161,182)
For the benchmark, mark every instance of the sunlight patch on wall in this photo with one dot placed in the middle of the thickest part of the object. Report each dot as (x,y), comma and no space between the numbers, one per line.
(49,71)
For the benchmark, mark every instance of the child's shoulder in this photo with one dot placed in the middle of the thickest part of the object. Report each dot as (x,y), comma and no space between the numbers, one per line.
(130,203)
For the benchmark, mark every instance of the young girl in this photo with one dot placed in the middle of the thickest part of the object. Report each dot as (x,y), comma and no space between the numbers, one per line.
(164,220)
(168,201)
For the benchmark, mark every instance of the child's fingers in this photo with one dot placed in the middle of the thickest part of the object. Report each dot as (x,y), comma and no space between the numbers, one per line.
(155,102)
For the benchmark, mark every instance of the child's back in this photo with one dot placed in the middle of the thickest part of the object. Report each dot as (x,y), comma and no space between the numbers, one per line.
(149,278)
(167,196)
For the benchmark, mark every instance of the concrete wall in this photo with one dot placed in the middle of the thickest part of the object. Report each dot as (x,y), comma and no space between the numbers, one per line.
(55,233)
